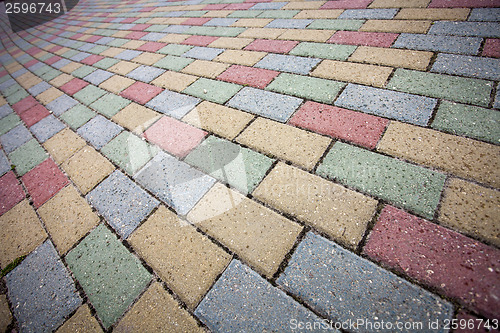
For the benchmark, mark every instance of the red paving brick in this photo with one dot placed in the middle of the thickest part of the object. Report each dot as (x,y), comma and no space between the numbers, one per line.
(141,92)
(240,6)
(31,63)
(24,104)
(492,48)
(215,6)
(199,40)
(456,265)
(73,86)
(53,60)
(140,27)
(136,35)
(129,20)
(196,21)
(380,39)
(90,60)
(274,46)
(11,192)
(346,4)
(34,115)
(255,77)
(93,39)
(44,181)
(464,3)
(151,46)
(174,136)
(356,127)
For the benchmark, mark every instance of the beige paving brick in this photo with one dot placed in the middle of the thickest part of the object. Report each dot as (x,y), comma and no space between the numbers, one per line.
(397,26)
(175,20)
(352,72)
(174,38)
(5,314)
(123,67)
(319,14)
(252,22)
(230,42)
(49,95)
(81,321)
(399,4)
(205,68)
(61,79)
(331,208)
(28,80)
(87,168)
(148,58)
(120,34)
(63,145)
(392,57)
(283,141)
(221,120)
(20,233)
(304,5)
(13,67)
(264,33)
(460,156)
(111,52)
(218,13)
(309,35)
(174,81)
(433,14)
(116,83)
(471,209)
(133,44)
(61,51)
(257,234)
(2,101)
(68,217)
(240,57)
(136,118)
(185,259)
(69,68)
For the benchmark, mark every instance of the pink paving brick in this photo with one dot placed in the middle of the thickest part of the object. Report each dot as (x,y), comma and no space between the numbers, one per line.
(356,127)
(458,266)
(199,40)
(11,192)
(34,115)
(16,52)
(24,104)
(492,48)
(255,77)
(76,36)
(55,48)
(274,46)
(141,92)
(346,4)
(44,181)
(215,6)
(380,39)
(129,20)
(174,136)
(147,9)
(93,39)
(464,3)
(151,46)
(52,60)
(31,63)
(136,35)
(140,27)
(90,60)
(32,51)
(51,38)
(468,323)
(73,86)
(3,73)
(196,21)
(240,6)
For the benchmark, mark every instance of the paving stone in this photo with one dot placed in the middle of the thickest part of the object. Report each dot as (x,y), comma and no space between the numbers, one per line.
(9,122)
(353,72)
(73,86)
(82,71)
(39,88)
(173,104)
(243,75)
(61,104)
(116,84)
(123,67)
(27,157)
(47,128)
(221,21)
(398,3)
(268,104)
(15,138)
(324,51)
(109,104)
(392,57)
(480,326)
(34,115)
(145,73)
(474,29)
(343,4)
(287,63)
(77,116)
(81,321)
(388,13)
(211,90)
(451,44)
(11,192)
(289,23)
(205,68)
(310,35)
(89,94)
(478,67)
(409,108)
(232,42)
(99,131)
(43,308)
(240,57)
(181,187)
(5,110)
(5,314)
(433,14)
(4,163)
(199,40)
(321,273)
(98,76)
(174,81)
(329,24)
(496,104)
(472,121)
(175,49)
(136,118)
(397,26)
(274,46)
(491,48)
(380,39)
(141,92)
(128,55)
(110,275)
(484,14)
(415,247)
(157,310)
(205,53)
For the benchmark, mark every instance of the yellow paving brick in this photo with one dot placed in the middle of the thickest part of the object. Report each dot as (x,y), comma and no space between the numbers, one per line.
(392,57)
(49,95)
(186,260)
(433,14)
(205,68)
(230,42)
(471,209)
(460,156)
(265,33)
(174,81)
(63,145)
(69,68)
(136,118)
(304,5)
(331,208)
(81,321)
(123,67)
(13,67)
(5,314)
(352,72)
(61,79)
(133,44)
(20,233)
(111,52)
(397,26)
(217,13)
(61,51)
(240,57)
(28,80)
(148,58)
(157,311)
(120,34)
(399,4)
(68,217)
(116,83)
(221,120)
(174,38)
(257,234)
(175,20)
(319,14)
(2,101)
(252,22)
(284,141)
(309,35)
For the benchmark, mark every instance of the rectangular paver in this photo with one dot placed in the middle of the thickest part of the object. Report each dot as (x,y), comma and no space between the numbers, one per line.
(474,29)
(478,67)
(288,63)
(437,43)
(212,90)
(392,57)
(353,72)
(173,104)
(324,51)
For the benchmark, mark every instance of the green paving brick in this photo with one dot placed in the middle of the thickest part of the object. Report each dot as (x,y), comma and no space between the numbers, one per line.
(403,184)
(83,71)
(77,45)
(141,20)
(9,122)
(471,121)
(212,90)
(200,30)
(106,63)
(109,274)
(353,25)
(50,74)
(27,156)
(12,89)
(239,167)
(175,49)
(458,89)
(98,49)
(228,31)
(245,13)
(41,70)
(17,96)
(77,116)
(5,78)
(117,42)
(156,28)
(279,14)
(110,104)
(325,51)
(89,94)
(129,152)
(173,63)
(194,13)
(104,32)
(316,89)
(69,54)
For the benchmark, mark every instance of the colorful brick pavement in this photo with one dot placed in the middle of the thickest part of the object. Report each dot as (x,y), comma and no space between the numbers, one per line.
(252,166)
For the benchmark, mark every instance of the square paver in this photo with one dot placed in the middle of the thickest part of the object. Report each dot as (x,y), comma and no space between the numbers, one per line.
(109,104)
(34,115)
(61,104)
(141,92)
(98,76)
(89,94)
(172,62)
(15,138)
(81,321)
(4,163)
(116,84)
(11,192)
(174,81)
(136,118)
(73,86)
(244,75)
(47,128)
(145,73)
(77,116)
(63,145)
(27,157)
(8,122)
(173,104)
(99,131)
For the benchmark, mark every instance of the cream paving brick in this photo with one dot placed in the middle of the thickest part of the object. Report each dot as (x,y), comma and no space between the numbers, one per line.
(20,232)
(264,33)
(157,311)
(133,44)
(120,34)
(81,321)
(5,314)
(331,208)
(304,5)
(14,67)
(63,145)
(433,14)
(174,38)
(230,43)
(83,37)
(116,83)
(252,22)
(257,234)
(460,156)
(68,217)
(69,68)
(471,209)
(49,95)
(175,20)
(186,260)
(174,81)
(319,14)
(61,79)
(205,68)
(399,4)
(397,26)
(309,35)
(2,101)
(148,58)
(123,67)
(240,57)
(217,13)
(353,72)
(28,80)
(111,52)
(136,118)
(392,57)
(284,141)
(87,168)
(221,120)
(62,51)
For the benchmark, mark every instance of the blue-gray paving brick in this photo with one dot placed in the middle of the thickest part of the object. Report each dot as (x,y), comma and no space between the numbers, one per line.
(104,40)
(47,128)
(265,103)
(4,163)
(5,110)
(128,54)
(175,49)
(19,72)
(39,88)
(478,29)
(245,13)
(345,287)
(389,104)
(122,203)
(42,291)
(368,14)
(176,29)
(145,73)
(451,44)
(61,104)
(278,14)
(485,14)
(99,131)
(205,53)
(221,22)
(80,56)
(153,36)
(15,138)
(6,85)
(478,67)
(335,24)
(289,23)
(98,76)
(496,105)
(324,51)
(173,104)
(242,301)
(268,5)
(175,182)
(287,63)
(86,47)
